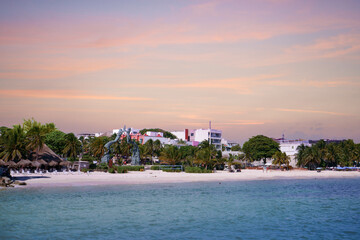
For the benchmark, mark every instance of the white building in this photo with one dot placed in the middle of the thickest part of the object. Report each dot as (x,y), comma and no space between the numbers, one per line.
(199,135)
(290,148)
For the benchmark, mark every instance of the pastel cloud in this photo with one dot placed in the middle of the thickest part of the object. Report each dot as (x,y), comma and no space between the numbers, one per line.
(312,111)
(65,94)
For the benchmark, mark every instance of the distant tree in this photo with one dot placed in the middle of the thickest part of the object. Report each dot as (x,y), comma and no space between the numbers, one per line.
(300,155)
(36,138)
(260,148)
(125,148)
(13,143)
(157,147)
(281,158)
(207,155)
(30,123)
(236,148)
(165,133)
(170,155)
(55,140)
(72,146)
(97,146)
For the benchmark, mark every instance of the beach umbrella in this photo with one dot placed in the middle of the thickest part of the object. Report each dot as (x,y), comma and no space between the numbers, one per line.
(65,163)
(35,164)
(42,162)
(2,163)
(24,163)
(53,163)
(11,164)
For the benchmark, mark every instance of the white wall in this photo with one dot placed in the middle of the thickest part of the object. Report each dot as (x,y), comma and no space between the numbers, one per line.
(179,134)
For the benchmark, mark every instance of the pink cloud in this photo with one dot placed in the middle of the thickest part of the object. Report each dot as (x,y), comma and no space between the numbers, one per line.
(65,94)
(312,111)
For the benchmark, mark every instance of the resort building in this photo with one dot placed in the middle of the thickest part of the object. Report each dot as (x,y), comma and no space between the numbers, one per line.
(290,147)
(142,139)
(228,144)
(196,136)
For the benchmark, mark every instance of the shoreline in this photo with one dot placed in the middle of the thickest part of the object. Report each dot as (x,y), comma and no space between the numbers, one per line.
(158,177)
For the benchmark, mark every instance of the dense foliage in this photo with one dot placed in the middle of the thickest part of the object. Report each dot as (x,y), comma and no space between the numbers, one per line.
(166,133)
(260,148)
(322,154)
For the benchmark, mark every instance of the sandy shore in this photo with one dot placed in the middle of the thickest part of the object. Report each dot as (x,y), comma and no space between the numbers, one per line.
(153,177)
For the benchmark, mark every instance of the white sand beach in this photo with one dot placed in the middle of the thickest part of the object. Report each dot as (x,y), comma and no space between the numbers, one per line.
(153,177)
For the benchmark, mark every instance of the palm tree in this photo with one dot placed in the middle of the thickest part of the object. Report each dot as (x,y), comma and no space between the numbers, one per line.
(300,155)
(170,155)
(281,158)
(72,145)
(97,146)
(36,139)
(157,147)
(331,155)
(13,143)
(277,158)
(230,161)
(125,148)
(116,149)
(149,148)
(312,157)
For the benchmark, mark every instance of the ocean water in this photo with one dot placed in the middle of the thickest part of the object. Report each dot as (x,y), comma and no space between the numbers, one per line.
(276,209)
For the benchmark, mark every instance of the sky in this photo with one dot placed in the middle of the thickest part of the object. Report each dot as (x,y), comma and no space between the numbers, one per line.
(268,67)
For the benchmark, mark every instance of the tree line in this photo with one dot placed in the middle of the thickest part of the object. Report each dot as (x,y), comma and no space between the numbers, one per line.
(27,139)
(322,154)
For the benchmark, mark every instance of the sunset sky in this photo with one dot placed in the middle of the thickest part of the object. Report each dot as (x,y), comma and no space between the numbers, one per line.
(268,67)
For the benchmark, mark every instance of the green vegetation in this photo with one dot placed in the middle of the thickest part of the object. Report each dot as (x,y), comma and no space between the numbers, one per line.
(197,170)
(322,154)
(72,146)
(84,170)
(171,170)
(121,169)
(236,148)
(23,141)
(281,158)
(111,170)
(166,133)
(102,166)
(132,168)
(55,140)
(260,148)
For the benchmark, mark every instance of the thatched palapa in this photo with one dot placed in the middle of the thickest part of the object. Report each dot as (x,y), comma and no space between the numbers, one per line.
(42,162)
(65,163)
(53,163)
(24,163)
(11,164)
(2,163)
(46,154)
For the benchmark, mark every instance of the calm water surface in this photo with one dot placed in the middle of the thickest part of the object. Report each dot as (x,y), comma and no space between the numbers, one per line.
(278,209)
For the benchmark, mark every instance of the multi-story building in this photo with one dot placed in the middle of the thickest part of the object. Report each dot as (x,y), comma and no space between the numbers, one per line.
(290,147)
(198,135)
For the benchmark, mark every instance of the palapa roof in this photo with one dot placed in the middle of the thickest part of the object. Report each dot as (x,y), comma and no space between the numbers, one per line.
(24,163)
(46,154)
(2,163)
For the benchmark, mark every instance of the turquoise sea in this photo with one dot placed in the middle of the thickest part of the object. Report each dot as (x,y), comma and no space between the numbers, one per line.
(276,209)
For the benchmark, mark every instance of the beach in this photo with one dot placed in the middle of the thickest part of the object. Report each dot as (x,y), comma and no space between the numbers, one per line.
(155,177)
